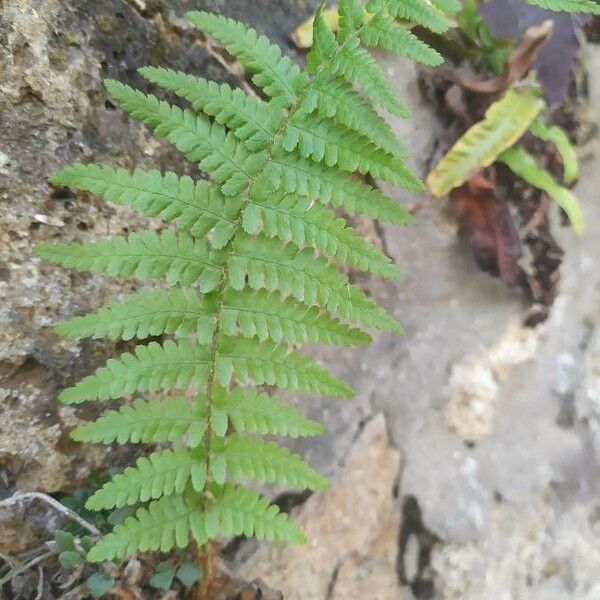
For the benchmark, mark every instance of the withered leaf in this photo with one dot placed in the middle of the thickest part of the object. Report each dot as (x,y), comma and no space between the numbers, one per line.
(486,221)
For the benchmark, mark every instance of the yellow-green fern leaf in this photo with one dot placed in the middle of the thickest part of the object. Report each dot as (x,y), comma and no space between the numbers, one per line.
(505,122)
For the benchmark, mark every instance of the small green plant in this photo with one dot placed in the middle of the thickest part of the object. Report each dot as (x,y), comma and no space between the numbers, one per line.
(517,111)
(252,269)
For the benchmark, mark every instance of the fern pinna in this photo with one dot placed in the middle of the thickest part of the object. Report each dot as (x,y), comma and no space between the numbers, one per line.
(251,268)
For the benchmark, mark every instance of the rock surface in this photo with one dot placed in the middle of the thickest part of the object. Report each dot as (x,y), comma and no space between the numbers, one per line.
(352,531)
(498,425)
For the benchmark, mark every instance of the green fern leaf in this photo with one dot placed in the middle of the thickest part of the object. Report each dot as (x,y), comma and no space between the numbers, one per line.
(524,165)
(144,421)
(323,140)
(504,123)
(149,313)
(149,368)
(558,136)
(334,97)
(163,473)
(253,121)
(179,259)
(421,13)
(217,152)
(195,205)
(297,220)
(382,32)
(309,279)
(292,175)
(275,74)
(238,511)
(246,458)
(270,316)
(253,412)
(571,6)
(449,7)
(355,64)
(162,526)
(271,364)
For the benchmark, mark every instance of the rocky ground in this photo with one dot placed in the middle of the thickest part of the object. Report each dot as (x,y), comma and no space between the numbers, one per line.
(468,465)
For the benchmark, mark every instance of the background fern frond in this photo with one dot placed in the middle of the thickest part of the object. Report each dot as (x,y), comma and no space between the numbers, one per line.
(570,6)
(505,122)
(557,136)
(525,166)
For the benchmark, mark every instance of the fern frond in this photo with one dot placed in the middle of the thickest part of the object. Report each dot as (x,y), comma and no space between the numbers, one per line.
(323,140)
(252,258)
(178,258)
(292,175)
(257,313)
(300,274)
(144,421)
(242,458)
(217,152)
(195,205)
(266,363)
(162,526)
(149,313)
(298,220)
(239,511)
(383,32)
(147,369)
(253,412)
(253,121)
(275,74)
(571,6)
(163,473)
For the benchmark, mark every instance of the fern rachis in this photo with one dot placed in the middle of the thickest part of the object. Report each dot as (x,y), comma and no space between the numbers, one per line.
(252,269)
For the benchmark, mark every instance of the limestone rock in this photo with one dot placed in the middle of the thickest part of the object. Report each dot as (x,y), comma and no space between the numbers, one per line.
(352,531)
